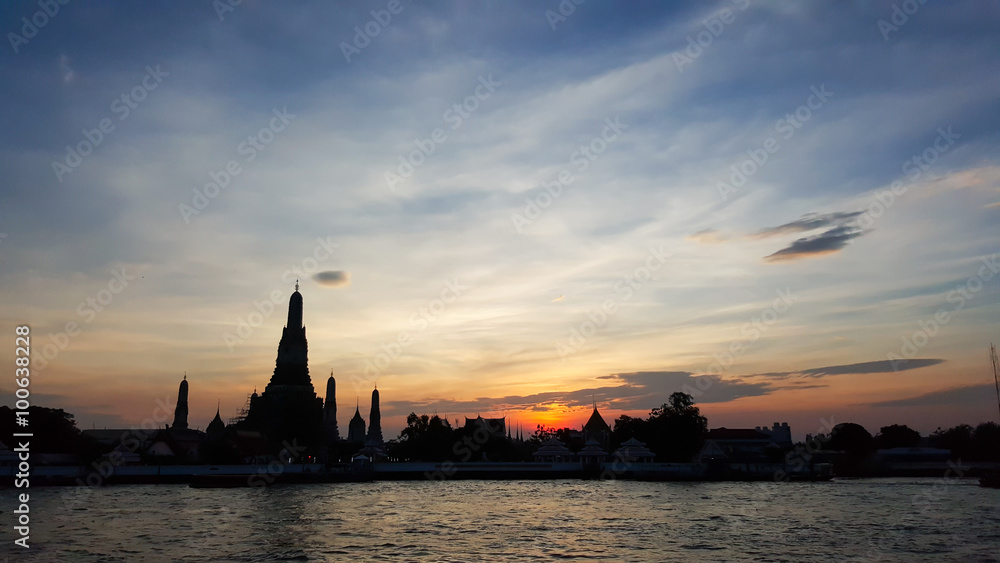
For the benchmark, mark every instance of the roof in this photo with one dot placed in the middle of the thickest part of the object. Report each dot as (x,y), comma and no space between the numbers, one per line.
(737,434)
(633,449)
(113,435)
(593,448)
(553,446)
(160,449)
(596,423)
(216,423)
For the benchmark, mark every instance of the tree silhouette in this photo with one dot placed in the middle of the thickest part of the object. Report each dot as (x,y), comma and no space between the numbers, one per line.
(54,431)
(674,431)
(851,439)
(897,436)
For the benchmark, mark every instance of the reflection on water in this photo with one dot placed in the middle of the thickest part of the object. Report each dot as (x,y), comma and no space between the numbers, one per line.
(872,519)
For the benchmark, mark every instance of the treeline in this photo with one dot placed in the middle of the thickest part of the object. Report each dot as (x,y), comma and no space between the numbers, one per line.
(981,443)
(674,432)
(432,438)
(53,431)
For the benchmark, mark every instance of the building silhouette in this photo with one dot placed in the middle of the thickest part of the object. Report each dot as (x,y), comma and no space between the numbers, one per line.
(375,421)
(356,428)
(597,430)
(330,431)
(181,410)
(216,429)
(493,426)
(289,409)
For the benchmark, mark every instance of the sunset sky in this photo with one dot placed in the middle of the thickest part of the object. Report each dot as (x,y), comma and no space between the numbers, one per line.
(507,209)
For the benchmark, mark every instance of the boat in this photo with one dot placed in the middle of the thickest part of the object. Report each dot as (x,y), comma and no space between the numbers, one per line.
(991,479)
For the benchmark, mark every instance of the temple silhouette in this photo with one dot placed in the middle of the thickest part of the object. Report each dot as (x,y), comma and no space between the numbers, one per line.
(289,409)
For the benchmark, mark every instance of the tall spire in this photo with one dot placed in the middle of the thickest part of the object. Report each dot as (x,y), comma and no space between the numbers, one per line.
(181,410)
(356,427)
(330,409)
(375,420)
(216,428)
(292,364)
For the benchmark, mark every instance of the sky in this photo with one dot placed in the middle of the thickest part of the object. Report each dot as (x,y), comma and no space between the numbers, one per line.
(787,210)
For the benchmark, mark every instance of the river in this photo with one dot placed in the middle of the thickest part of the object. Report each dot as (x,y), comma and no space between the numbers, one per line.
(862,520)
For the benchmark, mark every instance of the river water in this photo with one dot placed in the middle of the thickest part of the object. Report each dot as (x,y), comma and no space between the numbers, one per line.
(863,520)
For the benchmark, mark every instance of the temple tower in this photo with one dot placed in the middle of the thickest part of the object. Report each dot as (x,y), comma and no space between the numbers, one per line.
(288,408)
(330,410)
(292,364)
(375,420)
(181,410)
(356,428)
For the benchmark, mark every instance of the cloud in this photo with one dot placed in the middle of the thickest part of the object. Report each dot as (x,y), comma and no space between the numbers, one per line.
(956,396)
(332,278)
(877,366)
(829,242)
(560,298)
(642,390)
(708,236)
(809,222)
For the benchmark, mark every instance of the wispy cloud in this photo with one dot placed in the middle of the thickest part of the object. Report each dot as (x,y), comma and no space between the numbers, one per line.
(625,391)
(828,242)
(956,396)
(876,366)
(809,222)
(708,236)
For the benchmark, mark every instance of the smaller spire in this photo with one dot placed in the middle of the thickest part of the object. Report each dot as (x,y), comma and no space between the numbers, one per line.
(185,376)
(296,285)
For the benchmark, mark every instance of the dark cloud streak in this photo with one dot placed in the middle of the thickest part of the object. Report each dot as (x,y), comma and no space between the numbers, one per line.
(828,242)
